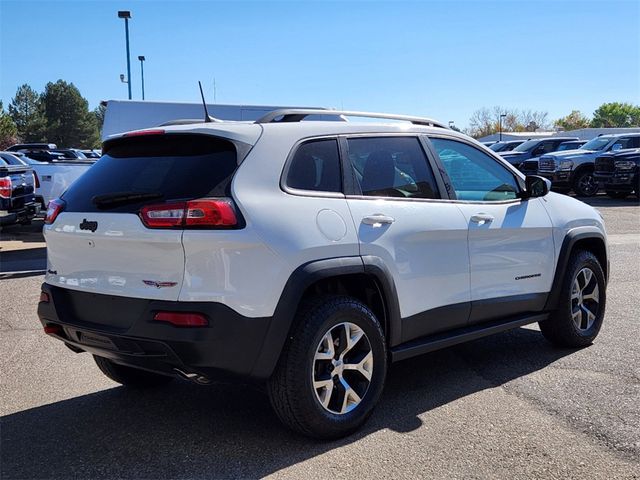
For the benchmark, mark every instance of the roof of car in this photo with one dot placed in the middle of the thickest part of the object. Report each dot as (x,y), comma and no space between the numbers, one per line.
(250,132)
(616,135)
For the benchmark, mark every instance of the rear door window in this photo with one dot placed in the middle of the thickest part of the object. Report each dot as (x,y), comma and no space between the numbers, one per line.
(316,167)
(154,169)
(392,167)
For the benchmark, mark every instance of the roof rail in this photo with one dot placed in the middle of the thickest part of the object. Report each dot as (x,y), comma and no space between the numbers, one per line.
(299,114)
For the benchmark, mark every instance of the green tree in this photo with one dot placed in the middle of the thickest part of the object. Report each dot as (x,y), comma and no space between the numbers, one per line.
(8,130)
(26,112)
(616,114)
(98,113)
(574,121)
(69,122)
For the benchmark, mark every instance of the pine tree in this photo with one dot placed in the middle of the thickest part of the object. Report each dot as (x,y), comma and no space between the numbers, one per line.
(26,111)
(8,130)
(69,122)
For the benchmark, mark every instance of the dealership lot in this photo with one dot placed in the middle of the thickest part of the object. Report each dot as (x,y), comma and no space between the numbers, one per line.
(508,405)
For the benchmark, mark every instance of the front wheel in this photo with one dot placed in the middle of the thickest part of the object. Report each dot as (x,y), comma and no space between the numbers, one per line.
(585,185)
(332,370)
(577,320)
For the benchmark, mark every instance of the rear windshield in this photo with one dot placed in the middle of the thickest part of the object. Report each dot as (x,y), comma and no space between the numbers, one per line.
(154,169)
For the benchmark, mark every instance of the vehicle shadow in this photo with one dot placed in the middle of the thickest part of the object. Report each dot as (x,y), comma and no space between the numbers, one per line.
(23,233)
(603,201)
(226,431)
(30,261)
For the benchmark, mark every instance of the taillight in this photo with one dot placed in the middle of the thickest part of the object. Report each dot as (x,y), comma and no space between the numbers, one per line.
(163,216)
(53,210)
(36,180)
(182,319)
(205,212)
(5,187)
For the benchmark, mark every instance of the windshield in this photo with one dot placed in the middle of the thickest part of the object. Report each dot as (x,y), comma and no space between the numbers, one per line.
(569,146)
(597,143)
(526,146)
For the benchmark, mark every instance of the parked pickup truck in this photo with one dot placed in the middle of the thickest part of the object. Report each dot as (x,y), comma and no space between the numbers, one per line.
(619,172)
(53,173)
(573,169)
(17,191)
(533,148)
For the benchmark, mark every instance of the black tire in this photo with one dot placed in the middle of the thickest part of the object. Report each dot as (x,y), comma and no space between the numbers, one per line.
(617,195)
(291,389)
(130,377)
(584,184)
(561,329)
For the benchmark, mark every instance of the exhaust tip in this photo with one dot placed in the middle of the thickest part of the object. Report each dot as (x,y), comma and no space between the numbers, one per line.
(193,377)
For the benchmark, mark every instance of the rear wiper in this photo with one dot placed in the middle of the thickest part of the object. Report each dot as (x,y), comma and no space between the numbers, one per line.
(111,200)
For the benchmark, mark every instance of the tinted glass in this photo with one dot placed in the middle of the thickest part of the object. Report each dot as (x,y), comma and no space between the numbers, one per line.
(164,167)
(526,146)
(627,142)
(392,167)
(316,166)
(597,143)
(8,159)
(474,174)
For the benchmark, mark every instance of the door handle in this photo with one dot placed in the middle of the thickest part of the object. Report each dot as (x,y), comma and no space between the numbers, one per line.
(482,218)
(378,219)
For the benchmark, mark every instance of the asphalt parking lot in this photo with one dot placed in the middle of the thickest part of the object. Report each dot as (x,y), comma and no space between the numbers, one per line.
(508,406)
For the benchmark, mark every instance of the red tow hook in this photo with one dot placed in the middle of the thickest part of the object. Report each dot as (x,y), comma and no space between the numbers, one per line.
(52,329)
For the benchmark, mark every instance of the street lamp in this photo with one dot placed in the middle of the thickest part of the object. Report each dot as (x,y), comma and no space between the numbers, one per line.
(142,59)
(502,115)
(127,15)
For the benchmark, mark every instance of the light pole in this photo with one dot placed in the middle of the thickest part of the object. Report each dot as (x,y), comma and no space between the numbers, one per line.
(142,59)
(127,15)
(502,115)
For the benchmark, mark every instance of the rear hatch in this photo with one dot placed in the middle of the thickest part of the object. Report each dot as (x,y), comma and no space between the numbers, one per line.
(118,231)
(17,187)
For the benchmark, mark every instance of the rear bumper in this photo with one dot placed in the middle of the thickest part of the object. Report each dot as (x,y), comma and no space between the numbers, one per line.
(24,214)
(228,347)
(558,179)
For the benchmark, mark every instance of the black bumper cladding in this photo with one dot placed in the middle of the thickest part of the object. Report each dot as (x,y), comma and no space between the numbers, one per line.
(123,330)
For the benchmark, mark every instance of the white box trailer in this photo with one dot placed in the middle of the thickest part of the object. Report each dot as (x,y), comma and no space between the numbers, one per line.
(126,115)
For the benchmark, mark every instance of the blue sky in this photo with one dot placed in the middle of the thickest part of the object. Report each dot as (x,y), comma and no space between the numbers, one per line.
(437,59)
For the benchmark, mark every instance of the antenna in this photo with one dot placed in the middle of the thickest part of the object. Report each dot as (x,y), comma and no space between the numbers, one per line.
(207,118)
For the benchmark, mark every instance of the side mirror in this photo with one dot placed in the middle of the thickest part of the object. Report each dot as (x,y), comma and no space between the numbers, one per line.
(616,147)
(537,151)
(535,186)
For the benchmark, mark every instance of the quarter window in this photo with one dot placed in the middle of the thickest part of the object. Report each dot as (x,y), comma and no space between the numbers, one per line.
(392,167)
(316,166)
(474,174)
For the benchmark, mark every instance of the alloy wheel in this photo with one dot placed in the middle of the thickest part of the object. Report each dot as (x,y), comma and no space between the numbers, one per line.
(585,299)
(342,368)
(588,184)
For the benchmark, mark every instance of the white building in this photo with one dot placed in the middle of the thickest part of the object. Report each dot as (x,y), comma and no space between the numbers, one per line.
(582,134)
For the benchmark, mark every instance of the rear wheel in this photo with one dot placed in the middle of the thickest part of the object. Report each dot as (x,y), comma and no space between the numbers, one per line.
(332,370)
(617,195)
(584,184)
(130,377)
(580,313)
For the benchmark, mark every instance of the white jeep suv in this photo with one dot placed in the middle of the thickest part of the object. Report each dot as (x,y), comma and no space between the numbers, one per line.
(308,255)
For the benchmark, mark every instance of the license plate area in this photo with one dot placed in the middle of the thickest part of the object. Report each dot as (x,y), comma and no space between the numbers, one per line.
(95,340)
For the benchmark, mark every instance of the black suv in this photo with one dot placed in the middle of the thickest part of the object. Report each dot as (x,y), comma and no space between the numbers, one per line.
(619,172)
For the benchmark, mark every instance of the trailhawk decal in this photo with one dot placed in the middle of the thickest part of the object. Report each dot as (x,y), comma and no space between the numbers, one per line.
(152,283)
(524,277)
